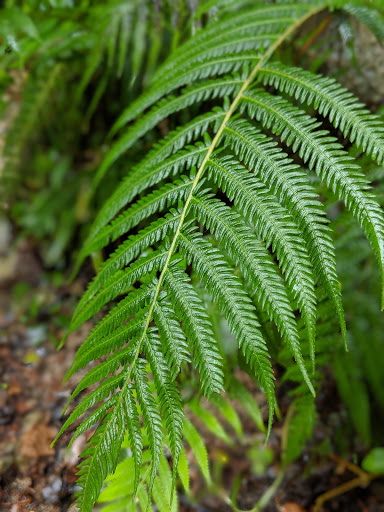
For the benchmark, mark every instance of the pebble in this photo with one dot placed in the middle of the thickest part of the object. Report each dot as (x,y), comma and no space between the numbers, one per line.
(51,492)
(37,334)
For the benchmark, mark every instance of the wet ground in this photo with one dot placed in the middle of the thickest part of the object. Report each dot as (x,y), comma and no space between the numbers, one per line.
(34,309)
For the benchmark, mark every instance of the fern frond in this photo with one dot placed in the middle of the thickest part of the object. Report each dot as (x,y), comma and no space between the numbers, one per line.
(219,55)
(242,39)
(209,67)
(331,100)
(266,235)
(138,181)
(93,418)
(263,281)
(236,305)
(134,433)
(175,348)
(101,457)
(174,141)
(371,17)
(291,187)
(151,417)
(326,157)
(104,369)
(197,327)
(129,250)
(212,65)
(168,396)
(238,310)
(119,283)
(107,344)
(165,108)
(251,21)
(99,394)
(144,208)
(273,224)
(120,313)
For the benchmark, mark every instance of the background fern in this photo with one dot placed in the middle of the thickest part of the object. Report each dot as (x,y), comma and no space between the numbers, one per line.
(90,52)
(239,218)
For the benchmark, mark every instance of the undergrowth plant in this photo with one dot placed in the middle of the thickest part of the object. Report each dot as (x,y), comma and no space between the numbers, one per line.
(357,372)
(222,212)
(98,54)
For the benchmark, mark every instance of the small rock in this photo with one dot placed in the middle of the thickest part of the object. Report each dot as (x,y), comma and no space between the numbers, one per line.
(21,483)
(51,492)
(36,335)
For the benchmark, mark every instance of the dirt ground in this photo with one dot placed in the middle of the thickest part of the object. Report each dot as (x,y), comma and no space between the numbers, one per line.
(34,310)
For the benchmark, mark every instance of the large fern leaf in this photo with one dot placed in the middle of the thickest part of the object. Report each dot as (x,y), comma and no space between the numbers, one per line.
(265,238)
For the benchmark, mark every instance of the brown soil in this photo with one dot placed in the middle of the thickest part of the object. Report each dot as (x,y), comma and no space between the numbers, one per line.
(36,477)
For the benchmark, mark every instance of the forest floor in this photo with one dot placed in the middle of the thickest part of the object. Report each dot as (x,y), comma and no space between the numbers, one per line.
(34,310)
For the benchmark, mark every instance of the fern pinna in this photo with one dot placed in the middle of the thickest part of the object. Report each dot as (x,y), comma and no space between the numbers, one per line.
(215,197)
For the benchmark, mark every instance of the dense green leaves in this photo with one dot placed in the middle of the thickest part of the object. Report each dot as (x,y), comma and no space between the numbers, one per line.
(291,186)
(326,157)
(215,209)
(235,304)
(197,328)
(332,101)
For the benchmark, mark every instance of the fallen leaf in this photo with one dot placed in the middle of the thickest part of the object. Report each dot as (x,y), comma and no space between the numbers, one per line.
(35,442)
(14,387)
(290,506)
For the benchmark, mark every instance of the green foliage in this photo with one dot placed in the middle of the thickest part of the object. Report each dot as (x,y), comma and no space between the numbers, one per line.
(373,462)
(300,428)
(216,212)
(120,491)
(357,372)
(89,52)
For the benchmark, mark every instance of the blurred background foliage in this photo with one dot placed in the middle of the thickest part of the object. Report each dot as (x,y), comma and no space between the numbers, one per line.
(68,69)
